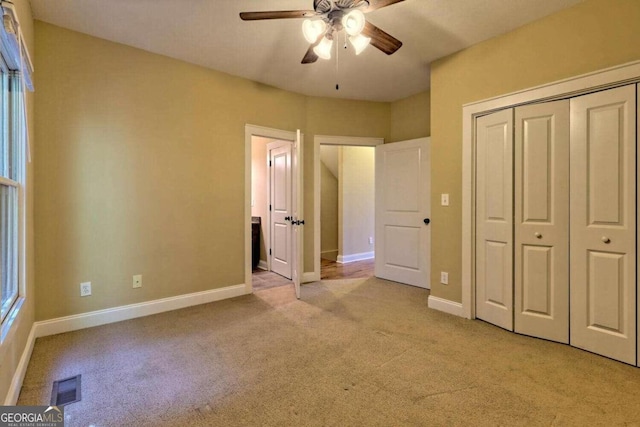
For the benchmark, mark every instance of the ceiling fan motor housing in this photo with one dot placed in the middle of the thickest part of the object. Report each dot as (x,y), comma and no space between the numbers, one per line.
(324,6)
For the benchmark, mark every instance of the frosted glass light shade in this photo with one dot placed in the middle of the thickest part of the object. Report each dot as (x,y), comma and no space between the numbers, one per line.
(323,50)
(312,29)
(353,22)
(359,43)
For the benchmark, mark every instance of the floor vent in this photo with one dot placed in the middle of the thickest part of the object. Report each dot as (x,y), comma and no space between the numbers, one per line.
(66,391)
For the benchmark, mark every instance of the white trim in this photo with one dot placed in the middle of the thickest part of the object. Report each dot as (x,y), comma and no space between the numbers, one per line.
(348,140)
(249,131)
(329,140)
(575,86)
(441,304)
(262,265)
(132,311)
(18,376)
(344,259)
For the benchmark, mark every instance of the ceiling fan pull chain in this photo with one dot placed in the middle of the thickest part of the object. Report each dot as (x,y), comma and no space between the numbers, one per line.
(337,55)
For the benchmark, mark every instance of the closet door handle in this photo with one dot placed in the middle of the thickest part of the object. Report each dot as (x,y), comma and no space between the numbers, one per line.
(538,235)
(606,240)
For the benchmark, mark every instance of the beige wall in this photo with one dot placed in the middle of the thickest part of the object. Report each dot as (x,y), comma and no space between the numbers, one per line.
(259,189)
(410,117)
(14,342)
(356,195)
(592,35)
(328,213)
(142,169)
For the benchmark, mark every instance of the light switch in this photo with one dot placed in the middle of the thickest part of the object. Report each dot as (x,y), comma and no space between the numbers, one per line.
(444,199)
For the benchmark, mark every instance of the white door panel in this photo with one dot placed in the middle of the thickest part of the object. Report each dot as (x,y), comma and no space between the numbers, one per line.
(494,218)
(402,204)
(281,207)
(541,202)
(603,223)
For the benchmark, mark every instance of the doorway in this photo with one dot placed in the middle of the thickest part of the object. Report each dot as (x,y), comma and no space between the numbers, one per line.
(272,205)
(338,162)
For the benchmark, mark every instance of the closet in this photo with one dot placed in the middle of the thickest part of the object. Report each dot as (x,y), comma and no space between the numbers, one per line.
(555,221)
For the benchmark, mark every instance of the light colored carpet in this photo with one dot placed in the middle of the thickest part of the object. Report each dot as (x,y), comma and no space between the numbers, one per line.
(350,353)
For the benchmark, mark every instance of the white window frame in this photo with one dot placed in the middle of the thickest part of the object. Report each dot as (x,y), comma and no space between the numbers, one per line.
(16,63)
(15,123)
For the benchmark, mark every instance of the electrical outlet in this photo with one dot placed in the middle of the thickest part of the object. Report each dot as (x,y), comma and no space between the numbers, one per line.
(444,199)
(137,281)
(370,240)
(85,289)
(444,277)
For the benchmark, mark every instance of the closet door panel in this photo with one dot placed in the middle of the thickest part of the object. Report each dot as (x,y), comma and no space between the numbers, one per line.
(494,218)
(603,223)
(541,198)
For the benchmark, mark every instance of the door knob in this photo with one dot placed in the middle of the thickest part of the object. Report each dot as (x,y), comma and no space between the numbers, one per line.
(605,239)
(427,221)
(538,235)
(287,218)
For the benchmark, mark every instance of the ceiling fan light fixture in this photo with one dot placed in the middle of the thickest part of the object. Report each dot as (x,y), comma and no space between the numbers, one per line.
(359,43)
(323,50)
(353,22)
(313,28)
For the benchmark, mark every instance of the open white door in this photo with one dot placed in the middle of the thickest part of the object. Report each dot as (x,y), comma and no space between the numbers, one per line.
(280,207)
(403,207)
(297,219)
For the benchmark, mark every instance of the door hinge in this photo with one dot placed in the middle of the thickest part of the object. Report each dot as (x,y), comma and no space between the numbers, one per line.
(269,208)
(269,251)
(269,163)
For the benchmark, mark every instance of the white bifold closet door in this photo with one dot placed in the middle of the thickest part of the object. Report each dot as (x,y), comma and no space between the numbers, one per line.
(603,223)
(541,224)
(556,221)
(494,218)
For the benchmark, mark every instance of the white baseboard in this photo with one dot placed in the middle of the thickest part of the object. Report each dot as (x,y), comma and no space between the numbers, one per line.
(445,305)
(343,259)
(262,265)
(126,312)
(18,377)
(310,276)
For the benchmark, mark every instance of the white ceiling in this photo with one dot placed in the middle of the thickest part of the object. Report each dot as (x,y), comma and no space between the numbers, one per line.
(210,33)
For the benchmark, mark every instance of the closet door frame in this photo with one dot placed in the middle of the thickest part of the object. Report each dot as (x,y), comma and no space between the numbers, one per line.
(600,80)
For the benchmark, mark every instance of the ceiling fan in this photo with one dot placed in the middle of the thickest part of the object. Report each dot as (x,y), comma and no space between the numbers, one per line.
(328,18)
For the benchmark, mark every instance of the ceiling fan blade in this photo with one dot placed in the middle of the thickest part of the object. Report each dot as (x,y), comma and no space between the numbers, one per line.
(277,14)
(380,39)
(378,4)
(310,57)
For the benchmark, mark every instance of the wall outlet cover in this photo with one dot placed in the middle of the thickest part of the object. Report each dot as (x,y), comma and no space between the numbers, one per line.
(137,281)
(85,289)
(444,277)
